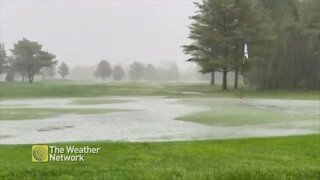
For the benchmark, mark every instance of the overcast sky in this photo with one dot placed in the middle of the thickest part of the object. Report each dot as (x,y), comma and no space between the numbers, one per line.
(84,32)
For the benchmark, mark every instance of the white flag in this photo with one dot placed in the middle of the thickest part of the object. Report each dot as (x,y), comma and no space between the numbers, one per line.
(245,51)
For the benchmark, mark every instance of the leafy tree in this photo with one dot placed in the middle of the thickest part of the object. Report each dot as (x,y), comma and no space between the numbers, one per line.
(136,71)
(63,70)
(219,30)
(150,72)
(3,57)
(103,70)
(27,56)
(82,72)
(95,74)
(10,76)
(50,71)
(173,72)
(118,73)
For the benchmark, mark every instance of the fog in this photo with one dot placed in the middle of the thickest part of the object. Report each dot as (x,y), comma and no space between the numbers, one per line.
(81,33)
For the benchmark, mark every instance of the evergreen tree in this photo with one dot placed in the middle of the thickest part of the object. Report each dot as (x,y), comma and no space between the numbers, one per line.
(219,30)
(292,60)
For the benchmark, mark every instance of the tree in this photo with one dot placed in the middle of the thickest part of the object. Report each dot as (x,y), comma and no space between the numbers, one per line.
(28,57)
(219,30)
(150,72)
(118,73)
(3,57)
(136,71)
(173,72)
(10,76)
(103,70)
(63,70)
(95,74)
(83,72)
(50,71)
(291,60)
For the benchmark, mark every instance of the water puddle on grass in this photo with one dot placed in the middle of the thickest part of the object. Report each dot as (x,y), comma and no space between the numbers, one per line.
(54,128)
(153,119)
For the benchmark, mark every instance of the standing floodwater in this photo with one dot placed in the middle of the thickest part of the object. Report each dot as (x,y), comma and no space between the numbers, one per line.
(143,119)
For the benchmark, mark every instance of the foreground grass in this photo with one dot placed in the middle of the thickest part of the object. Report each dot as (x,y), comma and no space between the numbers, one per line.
(40,113)
(73,89)
(262,158)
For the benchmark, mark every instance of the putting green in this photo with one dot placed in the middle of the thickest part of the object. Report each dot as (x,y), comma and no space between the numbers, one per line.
(229,112)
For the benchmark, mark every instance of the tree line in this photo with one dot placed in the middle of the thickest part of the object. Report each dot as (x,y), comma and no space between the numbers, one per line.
(28,59)
(137,71)
(283,38)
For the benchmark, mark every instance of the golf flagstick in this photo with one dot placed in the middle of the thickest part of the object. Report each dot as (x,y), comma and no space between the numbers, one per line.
(242,82)
(245,57)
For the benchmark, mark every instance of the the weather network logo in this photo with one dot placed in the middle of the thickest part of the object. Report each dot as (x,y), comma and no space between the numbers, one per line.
(40,153)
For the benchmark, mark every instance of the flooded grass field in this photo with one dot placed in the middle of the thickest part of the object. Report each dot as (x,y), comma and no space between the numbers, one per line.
(115,118)
(148,131)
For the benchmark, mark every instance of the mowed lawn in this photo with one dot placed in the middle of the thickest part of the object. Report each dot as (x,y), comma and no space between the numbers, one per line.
(229,112)
(296,157)
(89,89)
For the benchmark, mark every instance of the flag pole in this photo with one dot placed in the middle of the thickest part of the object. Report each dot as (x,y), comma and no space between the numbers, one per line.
(242,81)
(245,57)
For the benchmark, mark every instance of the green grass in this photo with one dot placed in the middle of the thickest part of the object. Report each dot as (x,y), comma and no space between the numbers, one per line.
(73,89)
(296,157)
(40,113)
(243,116)
(92,101)
(229,112)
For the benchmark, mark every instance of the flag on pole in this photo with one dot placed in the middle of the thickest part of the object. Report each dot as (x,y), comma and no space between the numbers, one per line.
(245,51)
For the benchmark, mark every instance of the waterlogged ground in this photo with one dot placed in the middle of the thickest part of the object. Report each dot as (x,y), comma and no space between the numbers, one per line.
(31,121)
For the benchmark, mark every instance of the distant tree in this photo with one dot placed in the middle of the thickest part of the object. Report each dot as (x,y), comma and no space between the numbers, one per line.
(23,75)
(95,74)
(136,71)
(118,73)
(63,70)
(103,70)
(10,76)
(150,72)
(14,69)
(173,72)
(49,71)
(3,57)
(27,56)
(43,76)
(82,72)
